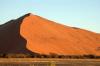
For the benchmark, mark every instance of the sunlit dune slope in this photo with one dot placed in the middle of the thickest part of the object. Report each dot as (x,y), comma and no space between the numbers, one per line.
(44,36)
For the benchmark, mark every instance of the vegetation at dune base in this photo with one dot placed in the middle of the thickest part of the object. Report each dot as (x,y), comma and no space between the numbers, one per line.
(51,55)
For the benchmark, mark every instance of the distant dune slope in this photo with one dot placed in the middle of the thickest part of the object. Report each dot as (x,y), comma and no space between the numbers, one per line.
(34,34)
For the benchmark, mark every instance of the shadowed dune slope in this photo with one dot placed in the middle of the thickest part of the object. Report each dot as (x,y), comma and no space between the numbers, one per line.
(34,34)
(45,37)
(10,39)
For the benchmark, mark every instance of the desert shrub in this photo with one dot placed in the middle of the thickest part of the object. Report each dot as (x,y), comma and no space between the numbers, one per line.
(2,55)
(97,57)
(45,56)
(20,55)
(90,56)
(53,55)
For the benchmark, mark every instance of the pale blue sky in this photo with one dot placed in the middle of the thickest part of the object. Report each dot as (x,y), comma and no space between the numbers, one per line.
(78,13)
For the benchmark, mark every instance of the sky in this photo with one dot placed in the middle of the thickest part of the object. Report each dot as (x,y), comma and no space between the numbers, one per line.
(84,14)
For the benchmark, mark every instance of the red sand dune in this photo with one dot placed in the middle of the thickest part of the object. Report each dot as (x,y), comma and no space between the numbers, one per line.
(39,35)
(44,36)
